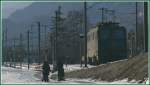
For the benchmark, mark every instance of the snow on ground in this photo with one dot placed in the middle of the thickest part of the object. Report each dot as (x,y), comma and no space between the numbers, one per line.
(147,81)
(75,67)
(15,75)
(67,68)
(18,75)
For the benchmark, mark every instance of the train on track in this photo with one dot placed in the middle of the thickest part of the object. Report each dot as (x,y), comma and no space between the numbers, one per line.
(106,42)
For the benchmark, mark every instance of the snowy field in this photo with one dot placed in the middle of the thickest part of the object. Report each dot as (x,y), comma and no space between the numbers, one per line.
(15,75)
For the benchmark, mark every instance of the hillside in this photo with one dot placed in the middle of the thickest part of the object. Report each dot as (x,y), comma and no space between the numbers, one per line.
(21,19)
(135,68)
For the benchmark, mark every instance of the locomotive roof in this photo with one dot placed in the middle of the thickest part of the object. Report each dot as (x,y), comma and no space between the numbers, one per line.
(105,24)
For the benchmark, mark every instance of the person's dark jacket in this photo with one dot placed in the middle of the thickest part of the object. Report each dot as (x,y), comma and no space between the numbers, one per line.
(46,68)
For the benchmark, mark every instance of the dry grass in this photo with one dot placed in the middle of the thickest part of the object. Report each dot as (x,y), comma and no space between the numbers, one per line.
(133,68)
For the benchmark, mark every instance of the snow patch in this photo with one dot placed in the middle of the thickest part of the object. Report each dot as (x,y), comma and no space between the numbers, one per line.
(14,75)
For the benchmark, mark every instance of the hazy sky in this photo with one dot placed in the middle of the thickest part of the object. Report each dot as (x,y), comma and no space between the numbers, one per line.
(124,11)
(9,7)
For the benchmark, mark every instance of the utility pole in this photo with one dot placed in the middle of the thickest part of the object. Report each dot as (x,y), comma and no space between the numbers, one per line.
(11,55)
(105,10)
(39,39)
(102,14)
(136,31)
(45,34)
(80,52)
(3,44)
(28,50)
(55,56)
(85,33)
(57,23)
(145,27)
(31,43)
(21,50)
(52,49)
(6,51)
(56,33)
(14,53)
(4,40)
(45,46)
(81,39)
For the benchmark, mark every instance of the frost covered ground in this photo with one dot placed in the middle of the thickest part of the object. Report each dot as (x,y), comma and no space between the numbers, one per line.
(15,75)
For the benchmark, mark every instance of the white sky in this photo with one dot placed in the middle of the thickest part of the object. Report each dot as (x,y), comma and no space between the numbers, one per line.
(10,7)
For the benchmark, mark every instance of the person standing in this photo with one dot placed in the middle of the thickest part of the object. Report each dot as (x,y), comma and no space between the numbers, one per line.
(45,71)
(60,70)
